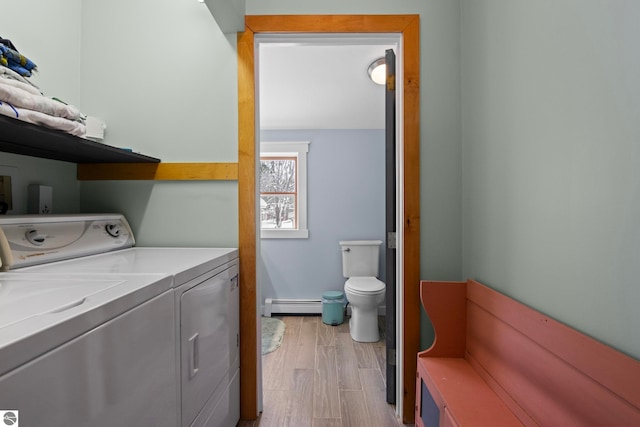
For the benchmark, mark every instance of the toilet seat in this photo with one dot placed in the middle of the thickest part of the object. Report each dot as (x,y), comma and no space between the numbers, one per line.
(364,285)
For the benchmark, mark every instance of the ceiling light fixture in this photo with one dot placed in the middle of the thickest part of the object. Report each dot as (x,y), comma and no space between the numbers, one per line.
(378,71)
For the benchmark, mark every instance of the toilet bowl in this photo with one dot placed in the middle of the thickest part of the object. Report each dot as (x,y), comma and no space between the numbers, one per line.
(364,294)
(363,290)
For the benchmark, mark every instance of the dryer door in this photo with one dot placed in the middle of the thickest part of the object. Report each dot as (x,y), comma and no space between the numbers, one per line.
(204,335)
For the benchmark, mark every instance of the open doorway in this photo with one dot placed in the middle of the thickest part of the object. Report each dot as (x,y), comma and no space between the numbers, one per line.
(408,243)
(321,122)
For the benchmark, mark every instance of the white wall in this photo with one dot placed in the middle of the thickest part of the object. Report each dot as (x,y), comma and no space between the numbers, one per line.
(346,201)
(551,148)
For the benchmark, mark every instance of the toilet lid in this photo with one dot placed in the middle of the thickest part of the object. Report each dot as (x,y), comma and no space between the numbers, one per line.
(364,285)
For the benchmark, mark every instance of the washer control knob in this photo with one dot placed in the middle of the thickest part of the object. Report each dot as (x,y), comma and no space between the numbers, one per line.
(113,230)
(35,238)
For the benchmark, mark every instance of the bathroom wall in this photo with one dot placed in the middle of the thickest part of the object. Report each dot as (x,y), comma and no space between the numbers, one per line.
(551,195)
(345,202)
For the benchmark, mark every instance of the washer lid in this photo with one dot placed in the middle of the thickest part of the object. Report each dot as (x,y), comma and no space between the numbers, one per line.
(39,312)
(183,263)
(364,284)
(24,298)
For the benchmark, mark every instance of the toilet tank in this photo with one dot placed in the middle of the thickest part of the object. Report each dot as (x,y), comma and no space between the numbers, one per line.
(360,257)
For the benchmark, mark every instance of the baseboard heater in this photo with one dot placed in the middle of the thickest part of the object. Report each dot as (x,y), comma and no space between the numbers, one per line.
(291,306)
(299,306)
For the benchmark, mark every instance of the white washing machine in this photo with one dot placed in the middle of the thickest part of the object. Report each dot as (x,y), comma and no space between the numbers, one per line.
(87,350)
(204,283)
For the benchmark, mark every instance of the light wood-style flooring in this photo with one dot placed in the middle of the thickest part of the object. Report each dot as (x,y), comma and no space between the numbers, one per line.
(320,377)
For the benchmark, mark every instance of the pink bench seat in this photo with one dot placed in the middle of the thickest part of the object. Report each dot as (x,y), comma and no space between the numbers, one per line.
(496,362)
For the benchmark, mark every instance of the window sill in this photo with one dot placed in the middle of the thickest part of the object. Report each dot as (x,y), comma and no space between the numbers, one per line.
(284,234)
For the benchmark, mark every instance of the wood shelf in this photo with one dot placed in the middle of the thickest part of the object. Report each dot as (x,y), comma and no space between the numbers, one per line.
(158,171)
(24,138)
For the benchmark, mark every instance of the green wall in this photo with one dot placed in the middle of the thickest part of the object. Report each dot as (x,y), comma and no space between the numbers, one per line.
(60,176)
(164,78)
(551,148)
(54,45)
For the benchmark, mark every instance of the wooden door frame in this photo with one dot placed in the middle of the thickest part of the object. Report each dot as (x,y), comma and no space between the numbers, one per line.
(409,27)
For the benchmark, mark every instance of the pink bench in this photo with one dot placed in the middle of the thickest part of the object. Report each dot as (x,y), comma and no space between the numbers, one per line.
(496,362)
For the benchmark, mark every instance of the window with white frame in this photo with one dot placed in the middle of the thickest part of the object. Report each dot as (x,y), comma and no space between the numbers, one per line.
(283,189)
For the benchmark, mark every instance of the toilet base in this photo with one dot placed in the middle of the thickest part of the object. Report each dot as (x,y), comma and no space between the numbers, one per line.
(363,325)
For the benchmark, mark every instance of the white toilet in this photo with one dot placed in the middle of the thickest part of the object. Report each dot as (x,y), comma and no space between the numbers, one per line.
(362,289)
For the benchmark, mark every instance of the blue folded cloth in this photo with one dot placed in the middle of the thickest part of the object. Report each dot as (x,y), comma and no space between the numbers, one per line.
(16,61)
(8,43)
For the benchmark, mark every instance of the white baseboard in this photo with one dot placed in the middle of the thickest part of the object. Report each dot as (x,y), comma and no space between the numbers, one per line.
(291,306)
(300,306)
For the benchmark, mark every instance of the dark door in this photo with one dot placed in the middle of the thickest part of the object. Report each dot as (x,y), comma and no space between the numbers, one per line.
(390,174)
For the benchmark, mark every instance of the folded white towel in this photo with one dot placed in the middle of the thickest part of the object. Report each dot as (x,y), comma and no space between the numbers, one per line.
(19,97)
(36,117)
(10,74)
(21,85)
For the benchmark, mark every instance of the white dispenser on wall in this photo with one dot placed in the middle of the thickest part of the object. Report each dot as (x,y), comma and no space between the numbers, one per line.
(40,199)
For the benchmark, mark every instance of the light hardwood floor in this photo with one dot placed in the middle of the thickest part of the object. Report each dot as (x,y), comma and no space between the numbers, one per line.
(320,377)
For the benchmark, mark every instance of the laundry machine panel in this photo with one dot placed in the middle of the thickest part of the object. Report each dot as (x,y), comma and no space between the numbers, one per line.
(205,338)
(104,377)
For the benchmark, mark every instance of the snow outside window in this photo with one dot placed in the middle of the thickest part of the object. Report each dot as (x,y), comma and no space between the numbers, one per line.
(283,190)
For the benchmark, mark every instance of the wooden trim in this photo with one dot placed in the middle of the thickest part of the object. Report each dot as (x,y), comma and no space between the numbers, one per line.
(330,23)
(409,27)
(247,227)
(411,220)
(158,171)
